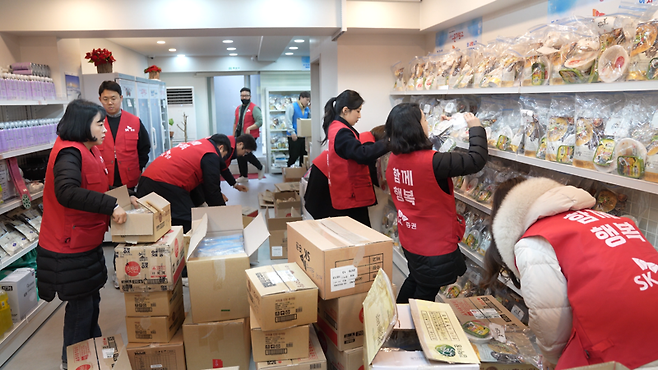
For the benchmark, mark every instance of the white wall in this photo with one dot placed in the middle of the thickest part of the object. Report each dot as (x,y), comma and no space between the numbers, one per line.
(325,52)
(128,61)
(43,50)
(9,50)
(382,15)
(514,21)
(201,128)
(226,64)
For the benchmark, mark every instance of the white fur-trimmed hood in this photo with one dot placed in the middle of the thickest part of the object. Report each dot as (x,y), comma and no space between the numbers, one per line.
(526,203)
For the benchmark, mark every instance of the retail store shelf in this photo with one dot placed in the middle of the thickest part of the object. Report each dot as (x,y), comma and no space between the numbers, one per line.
(447,91)
(15,203)
(277,110)
(278,130)
(6,261)
(479,260)
(486,208)
(27,150)
(400,262)
(33,102)
(13,339)
(279,150)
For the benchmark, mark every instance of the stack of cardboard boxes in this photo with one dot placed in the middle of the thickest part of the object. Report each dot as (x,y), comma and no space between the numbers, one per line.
(287,208)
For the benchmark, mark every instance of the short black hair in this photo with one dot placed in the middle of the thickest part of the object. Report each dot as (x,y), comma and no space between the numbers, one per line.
(304,94)
(248,141)
(221,139)
(404,130)
(109,85)
(245,89)
(75,125)
(379,132)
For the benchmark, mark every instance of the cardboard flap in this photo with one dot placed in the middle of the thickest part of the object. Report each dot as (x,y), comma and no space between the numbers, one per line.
(199,232)
(123,198)
(153,202)
(379,315)
(220,218)
(255,234)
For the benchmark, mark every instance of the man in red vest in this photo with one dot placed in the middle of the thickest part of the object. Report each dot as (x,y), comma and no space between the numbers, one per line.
(248,120)
(126,151)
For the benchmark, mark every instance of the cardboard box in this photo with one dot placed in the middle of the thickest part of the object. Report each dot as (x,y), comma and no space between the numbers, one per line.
(217,282)
(94,354)
(217,344)
(613,365)
(151,267)
(485,308)
(154,303)
(169,356)
(351,359)
(287,200)
(21,288)
(315,360)
(341,319)
(341,255)
(123,362)
(287,186)
(278,228)
(304,127)
(154,329)
(281,344)
(282,296)
(145,227)
(293,174)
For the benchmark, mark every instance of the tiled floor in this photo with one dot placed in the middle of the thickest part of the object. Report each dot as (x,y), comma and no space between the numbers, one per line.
(43,350)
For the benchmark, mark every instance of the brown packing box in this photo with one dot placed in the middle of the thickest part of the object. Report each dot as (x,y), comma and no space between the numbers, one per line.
(351,359)
(154,329)
(282,296)
(154,303)
(341,319)
(485,308)
(169,356)
(151,267)
(217,344)
(278,227)
(287,186)
(304,128)
(314,361)
(287,200)
(328,249)
(604,366)
(145,227)
(217,282)
(281,344)
(94,354)
(293,174)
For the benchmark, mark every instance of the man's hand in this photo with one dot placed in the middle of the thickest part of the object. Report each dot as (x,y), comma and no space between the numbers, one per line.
(241,188)
(252,127)
(119,215)
(294,136)
(133,201)
(225,198)
(471,120)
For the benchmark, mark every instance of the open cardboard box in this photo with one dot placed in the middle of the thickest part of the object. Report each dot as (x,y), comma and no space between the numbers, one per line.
(278,228)
(218,283)
(293,174)
(287,200)
(287,186)
(145,227)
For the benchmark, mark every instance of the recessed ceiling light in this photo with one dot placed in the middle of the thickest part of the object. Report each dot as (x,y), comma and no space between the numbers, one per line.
(230,49)
(289,53)
(172,49)
(293,48)
(227,41)
(181,55)
(234,54)
(161,42)
(299,41)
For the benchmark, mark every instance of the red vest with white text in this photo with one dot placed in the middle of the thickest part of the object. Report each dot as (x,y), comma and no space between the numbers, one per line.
(321,160)
(231,150)
(350,185)
(124,150)
(248,120)
(181,165)
(67,230)
(428,223)
(612,285)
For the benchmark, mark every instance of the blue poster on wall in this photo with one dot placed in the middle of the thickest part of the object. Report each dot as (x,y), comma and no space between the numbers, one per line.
(306,63)
(558,9)
(461,36)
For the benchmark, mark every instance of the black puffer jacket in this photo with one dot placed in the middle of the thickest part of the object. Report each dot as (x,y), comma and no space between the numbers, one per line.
(73,275)
(436,270)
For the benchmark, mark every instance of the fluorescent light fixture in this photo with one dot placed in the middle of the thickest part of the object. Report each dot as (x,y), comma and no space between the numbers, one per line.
(160,42)
(289,53)
(181,55)
(299,41)
(227,41)
(234,54)
(172,50)
(293,48)
(230,49)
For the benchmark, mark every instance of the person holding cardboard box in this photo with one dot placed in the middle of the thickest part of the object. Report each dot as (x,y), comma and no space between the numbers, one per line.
(189,174)
(76,213)
(422,190)
(585,275)
(294,111)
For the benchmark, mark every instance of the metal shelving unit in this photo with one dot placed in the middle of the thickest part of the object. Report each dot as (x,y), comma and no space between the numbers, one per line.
(26,150)
(486,208)
(33,102)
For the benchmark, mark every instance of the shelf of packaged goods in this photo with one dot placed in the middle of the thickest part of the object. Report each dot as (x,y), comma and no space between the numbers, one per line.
(26,150)
(486,208)
(33,102)
(15,203)
(278,130)
(14,338)
(6,261)
(277,110)
(279,150)
(479,260)
(400,261)
(610,178)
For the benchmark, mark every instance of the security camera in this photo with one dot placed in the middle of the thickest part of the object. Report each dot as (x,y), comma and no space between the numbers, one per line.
(151,58)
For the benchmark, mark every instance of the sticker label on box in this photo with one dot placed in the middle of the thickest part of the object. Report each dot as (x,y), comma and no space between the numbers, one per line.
(108,352)
(343,278)
(277,251)
(498,332)
(485,313)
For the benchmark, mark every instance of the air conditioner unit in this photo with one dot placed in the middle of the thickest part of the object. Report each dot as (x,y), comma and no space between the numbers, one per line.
(180,103)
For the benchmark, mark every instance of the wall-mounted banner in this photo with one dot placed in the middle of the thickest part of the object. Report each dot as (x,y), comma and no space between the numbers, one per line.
(306,63)
(558,9)
(461,36)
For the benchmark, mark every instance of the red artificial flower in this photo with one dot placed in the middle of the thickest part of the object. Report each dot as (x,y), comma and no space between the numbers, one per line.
(100,56)
(153,68)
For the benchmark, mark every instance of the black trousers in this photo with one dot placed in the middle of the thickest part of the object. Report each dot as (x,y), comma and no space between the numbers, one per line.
(244,167)
(296,149)
(412,289)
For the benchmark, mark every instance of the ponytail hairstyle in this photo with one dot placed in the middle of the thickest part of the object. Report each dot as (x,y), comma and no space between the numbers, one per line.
(348,98)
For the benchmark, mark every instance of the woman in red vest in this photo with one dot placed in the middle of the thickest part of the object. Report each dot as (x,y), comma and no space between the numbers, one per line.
(587,277)
(421,188)
(70,261)
(350,185)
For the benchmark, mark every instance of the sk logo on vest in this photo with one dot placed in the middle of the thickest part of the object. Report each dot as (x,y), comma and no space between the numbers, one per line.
(645,281)
(128,128)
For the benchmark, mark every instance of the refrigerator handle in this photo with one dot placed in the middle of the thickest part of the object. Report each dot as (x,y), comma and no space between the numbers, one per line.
(154,142)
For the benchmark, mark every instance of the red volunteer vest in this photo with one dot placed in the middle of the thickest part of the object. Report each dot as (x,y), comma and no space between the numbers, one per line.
(181,165)
(67,230)
(612,285)
(229,156)
(321,160)
(349,182)
(248,120)
(428,223)
(124,150)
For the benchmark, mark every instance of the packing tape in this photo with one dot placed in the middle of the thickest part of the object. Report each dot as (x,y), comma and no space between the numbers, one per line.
(214,335)
(219,270)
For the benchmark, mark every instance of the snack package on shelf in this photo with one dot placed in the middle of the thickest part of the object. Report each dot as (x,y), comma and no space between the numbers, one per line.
(25,229)
(650,128)
(558,41)
(581,55)
(508,68)
(616,33)
(490,111)
(431,70)
(473,238)
(473,57)
(424,72)
(445,64)
(398,75)
(486,63)
(11,241)
(612,200)
(644,51)
(593,111)
(534,110)
(32,217)
(561,131)
(390,224)
(507,132)
(632,132)
(461,59)
(413,72)
(537,66)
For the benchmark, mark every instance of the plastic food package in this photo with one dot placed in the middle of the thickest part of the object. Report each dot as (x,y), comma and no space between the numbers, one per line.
(398,74)
(431,70)
(32,217)
(413,72)
(465,79)
(558,41)
(615,35)
(561,131)
(445,65)
(486,64)
(508,67)
(644,52)
(507,133)
(232,243)
(460,62)
(643,133)
(534,110)
(27,231)
(592,113)
(611,200)
(491,108)
(11,241)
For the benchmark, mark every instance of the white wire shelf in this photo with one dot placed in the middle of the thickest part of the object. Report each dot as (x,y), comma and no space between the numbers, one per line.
(484,207)
(26,150)
(6,261)
(15,203)
(32,102)
(479,260)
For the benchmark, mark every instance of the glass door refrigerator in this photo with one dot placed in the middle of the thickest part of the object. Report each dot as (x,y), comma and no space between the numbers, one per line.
(164,116)
(156,117)
(144,113)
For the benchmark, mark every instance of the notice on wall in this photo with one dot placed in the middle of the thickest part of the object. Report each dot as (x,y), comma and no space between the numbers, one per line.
(461,36)
(558,9)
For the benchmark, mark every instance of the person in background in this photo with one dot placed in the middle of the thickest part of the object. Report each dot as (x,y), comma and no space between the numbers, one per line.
(76,213)
(243,143)
(294,111)
(422,190)
(189,174)
(350,185)
(585,275)
(248,120)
